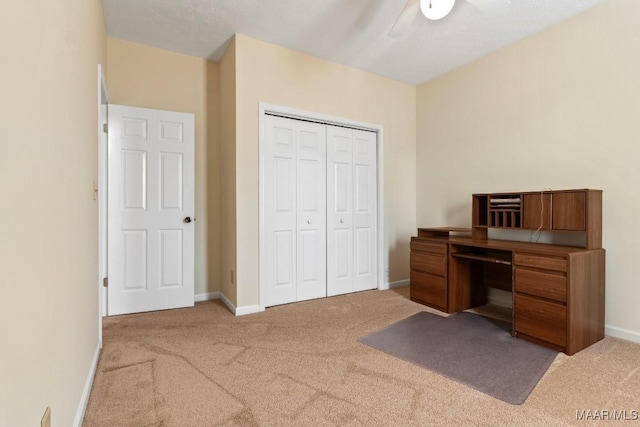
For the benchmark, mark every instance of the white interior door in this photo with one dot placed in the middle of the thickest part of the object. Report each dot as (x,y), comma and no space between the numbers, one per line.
(351,210)
(319,204)
(339,210)
(365,202)
(294,210)
(151,208)
(311,211)
(280,210)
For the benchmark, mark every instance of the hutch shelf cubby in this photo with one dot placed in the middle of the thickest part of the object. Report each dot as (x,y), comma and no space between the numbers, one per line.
(553,210)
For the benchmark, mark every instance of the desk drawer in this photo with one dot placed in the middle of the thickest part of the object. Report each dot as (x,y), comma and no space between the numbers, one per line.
(436,248)
(429,263)
(541,319)
(540,261)
(541,284)
(428,289)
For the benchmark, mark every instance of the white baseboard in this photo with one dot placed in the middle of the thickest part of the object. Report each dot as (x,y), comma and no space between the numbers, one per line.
(398,284)
(239,311)
(621,333)
(207,297)
(228,303)
(248,309)
(84,399)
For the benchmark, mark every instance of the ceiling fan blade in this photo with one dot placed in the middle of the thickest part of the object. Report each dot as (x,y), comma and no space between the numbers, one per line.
(405,18)
(490,7)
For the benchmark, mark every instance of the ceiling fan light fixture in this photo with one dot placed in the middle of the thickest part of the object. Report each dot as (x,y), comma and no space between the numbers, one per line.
(436,9)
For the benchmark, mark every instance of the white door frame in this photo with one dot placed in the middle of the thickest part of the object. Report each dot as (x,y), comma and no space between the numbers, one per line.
(295,113)
(101,188)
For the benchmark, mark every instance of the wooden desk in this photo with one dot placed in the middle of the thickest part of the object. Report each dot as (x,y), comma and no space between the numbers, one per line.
(558,291)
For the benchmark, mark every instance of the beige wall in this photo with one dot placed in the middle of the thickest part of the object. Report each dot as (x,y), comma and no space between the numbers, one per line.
(49,219)
(276,75)
(559,110)
(143,76)
(228,171)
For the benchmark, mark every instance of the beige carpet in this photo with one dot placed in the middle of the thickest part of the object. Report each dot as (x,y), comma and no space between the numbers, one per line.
(302,364)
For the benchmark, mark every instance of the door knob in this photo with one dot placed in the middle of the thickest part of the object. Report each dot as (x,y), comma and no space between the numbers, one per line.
(308,221)
(342,221)
(188,220)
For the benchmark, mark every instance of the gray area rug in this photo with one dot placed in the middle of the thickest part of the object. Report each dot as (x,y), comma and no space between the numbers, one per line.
(471,349)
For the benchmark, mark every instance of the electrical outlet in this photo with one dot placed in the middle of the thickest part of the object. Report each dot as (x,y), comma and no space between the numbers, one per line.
(386,271)
(46,418)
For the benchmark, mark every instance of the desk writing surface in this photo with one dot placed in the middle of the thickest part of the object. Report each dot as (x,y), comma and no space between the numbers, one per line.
(445,229)
(509,245)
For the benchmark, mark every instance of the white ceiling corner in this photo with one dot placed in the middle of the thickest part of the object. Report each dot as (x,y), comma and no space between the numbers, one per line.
(350,32)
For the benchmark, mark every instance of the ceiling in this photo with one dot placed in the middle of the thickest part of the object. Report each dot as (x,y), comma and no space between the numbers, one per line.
(350,32)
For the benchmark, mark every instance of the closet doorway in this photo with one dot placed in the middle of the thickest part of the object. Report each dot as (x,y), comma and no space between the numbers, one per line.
(320,222)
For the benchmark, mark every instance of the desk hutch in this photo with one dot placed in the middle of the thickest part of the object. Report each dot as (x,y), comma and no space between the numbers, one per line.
(557,290)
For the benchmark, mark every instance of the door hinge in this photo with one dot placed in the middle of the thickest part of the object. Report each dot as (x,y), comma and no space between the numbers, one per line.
(105,127)
(105,282)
